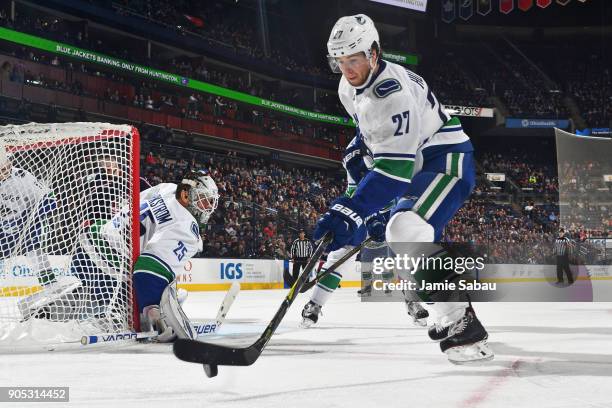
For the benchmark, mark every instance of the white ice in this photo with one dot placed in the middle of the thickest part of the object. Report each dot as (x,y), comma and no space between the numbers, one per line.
(553,355)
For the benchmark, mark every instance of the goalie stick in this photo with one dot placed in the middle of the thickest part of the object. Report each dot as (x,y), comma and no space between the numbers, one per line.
(201,328)
(308,285)
(212,355)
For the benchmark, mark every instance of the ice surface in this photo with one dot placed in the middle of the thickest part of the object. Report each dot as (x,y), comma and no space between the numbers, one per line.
(553,355)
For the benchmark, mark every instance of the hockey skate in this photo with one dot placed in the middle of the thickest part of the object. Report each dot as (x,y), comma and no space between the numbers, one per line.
(365,291)
(310,314)
(417,312)
(465,341)
(437,332)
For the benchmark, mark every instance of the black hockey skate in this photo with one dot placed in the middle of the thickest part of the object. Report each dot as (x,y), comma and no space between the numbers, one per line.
(365,291)
(438,333)
(418,313)
(310,314)
(466,340)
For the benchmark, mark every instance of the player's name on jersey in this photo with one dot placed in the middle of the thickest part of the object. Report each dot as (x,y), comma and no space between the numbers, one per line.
(406,285)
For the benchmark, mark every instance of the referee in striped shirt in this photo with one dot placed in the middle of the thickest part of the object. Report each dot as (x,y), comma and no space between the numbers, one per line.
(301,251)
(562,249)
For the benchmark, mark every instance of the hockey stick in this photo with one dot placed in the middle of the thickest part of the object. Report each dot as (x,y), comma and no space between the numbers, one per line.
(308,285)
(200,328)
(213,355)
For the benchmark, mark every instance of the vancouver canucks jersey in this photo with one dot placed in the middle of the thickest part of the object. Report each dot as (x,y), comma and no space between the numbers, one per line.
(169,234)
(397,117)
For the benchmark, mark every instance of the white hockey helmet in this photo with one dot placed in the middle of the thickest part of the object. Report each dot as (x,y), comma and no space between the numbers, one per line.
(5,164)
(350,35)
(204,194)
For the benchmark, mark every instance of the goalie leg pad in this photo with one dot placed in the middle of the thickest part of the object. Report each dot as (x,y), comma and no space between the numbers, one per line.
(173,315)
(56,298)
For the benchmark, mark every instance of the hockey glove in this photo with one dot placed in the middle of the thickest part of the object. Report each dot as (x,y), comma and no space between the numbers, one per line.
(342,219)
(376,224)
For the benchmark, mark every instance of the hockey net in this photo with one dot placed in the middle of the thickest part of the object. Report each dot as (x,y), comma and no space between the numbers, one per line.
(61,278)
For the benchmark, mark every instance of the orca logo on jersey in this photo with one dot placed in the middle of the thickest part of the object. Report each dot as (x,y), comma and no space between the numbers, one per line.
(349,213)
(195,230)
(387,87)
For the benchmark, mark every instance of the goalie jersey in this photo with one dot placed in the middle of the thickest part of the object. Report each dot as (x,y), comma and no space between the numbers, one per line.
(169,234)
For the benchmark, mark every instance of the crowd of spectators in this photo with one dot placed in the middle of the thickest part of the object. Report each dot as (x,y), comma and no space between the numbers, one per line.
(585,195)
(508,235)
(152,95)
(451,83)
(198,68)
(525,171)
(590,84)
(464,76)
(263,204)
(231,25)
(583,70)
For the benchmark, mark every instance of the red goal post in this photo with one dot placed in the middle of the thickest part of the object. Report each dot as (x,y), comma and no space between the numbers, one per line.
(65,181)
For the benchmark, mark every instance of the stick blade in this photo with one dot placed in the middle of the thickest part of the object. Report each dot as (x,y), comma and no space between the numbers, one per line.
(211,370)
(194,351)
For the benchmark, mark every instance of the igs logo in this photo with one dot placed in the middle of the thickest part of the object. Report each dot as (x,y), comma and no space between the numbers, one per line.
(230,270)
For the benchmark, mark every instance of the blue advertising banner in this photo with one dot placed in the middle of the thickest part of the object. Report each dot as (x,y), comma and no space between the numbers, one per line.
(594,132)
(537,123)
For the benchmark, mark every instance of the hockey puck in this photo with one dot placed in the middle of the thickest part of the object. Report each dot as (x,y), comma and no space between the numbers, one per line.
(211,370)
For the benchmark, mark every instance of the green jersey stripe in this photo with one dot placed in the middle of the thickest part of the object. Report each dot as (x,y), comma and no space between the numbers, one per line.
(398,168)
(151,265)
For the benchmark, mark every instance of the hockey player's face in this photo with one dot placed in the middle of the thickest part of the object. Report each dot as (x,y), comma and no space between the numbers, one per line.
(355,68)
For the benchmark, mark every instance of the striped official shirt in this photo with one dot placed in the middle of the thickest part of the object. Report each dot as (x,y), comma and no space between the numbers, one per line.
(562,246)
(301,248)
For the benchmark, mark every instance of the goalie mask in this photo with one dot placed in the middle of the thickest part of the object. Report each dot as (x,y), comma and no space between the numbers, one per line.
(203,195)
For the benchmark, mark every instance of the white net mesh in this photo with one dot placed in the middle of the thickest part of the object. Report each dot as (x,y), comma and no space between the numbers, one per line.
(61,276)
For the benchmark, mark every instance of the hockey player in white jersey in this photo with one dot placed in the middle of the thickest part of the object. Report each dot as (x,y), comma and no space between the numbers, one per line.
(415,153)
(169,237)
(25,204)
